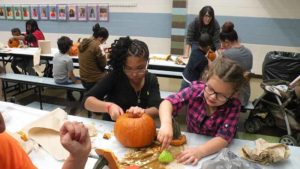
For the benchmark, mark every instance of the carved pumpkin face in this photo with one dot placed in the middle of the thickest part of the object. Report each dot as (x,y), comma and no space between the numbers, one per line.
(132,131)
(13,43)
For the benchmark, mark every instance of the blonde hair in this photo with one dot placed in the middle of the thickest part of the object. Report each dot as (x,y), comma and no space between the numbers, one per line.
(228,71)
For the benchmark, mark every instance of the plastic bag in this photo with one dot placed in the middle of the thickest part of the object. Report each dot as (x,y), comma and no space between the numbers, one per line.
(281,65)
(228,160)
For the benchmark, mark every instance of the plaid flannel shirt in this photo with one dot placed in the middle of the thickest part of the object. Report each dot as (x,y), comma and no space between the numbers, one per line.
(223,122)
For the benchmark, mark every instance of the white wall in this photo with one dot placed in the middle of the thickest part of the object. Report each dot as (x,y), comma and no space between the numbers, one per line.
(156,45)
(250,8)
(144,6)
(285,9)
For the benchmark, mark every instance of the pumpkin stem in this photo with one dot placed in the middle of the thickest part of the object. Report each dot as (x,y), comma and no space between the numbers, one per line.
(176,129)
(131,115)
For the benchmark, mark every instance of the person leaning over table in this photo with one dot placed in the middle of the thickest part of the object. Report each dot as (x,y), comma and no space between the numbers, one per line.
(91,60)
(213,110)
(128,86)
(198,61)
(31,38)
(205,22)
(233,50)
(73,136)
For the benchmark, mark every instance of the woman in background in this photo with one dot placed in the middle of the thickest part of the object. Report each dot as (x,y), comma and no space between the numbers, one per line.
(205,22)
(233,50)
(92,62)
(31,38)
(33,34)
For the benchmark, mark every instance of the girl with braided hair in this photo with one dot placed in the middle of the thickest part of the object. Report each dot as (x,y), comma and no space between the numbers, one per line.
(128,86)
(212,109)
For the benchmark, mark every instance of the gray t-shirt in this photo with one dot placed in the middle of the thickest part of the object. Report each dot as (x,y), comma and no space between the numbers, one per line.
(62,65)
(244,58)
(241,55)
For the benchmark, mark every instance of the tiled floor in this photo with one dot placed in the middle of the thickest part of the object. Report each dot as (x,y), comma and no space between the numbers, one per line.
(54,98)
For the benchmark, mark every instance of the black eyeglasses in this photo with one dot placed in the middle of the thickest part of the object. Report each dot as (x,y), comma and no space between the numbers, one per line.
(219,96)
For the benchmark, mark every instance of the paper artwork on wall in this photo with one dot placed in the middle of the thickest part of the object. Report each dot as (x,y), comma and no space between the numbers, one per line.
(25,12)
(52,12)
(92,12)
(9,12)
(17,12)
(82,13)
(2,12)
(72,12)
(103,12)
(34,12)
(44,12)
(62,12)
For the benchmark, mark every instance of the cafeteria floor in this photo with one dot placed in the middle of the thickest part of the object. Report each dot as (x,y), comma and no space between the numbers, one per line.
(53,98)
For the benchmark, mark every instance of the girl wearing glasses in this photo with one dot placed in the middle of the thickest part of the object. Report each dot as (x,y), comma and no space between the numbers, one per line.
(128,87)
(205,22)
(212,110)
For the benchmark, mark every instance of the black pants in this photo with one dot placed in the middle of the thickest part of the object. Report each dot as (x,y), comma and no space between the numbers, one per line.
(24,63)
(87,85)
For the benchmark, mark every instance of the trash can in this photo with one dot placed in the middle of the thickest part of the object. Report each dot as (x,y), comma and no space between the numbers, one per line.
(281,65)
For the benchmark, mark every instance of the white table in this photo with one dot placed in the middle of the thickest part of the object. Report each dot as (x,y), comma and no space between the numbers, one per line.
(159,67)
(20,116)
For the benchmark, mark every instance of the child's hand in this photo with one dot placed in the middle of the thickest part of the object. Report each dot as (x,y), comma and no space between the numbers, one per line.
(75,138)
(115,111)
(165,135)
(189,156)
(136,111)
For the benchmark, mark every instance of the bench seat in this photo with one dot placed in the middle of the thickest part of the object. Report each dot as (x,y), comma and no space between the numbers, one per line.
(37,81)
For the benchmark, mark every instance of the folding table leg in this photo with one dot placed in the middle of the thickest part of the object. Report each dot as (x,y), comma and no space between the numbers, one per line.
(4,91)
(40,98)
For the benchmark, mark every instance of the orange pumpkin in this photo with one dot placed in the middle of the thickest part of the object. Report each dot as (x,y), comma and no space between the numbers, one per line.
(211,55)
(74,49)
(110,157)
(135,131)
(13,43)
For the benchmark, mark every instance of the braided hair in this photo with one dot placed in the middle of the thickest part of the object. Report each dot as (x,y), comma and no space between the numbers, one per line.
(124,47)
(229,71)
